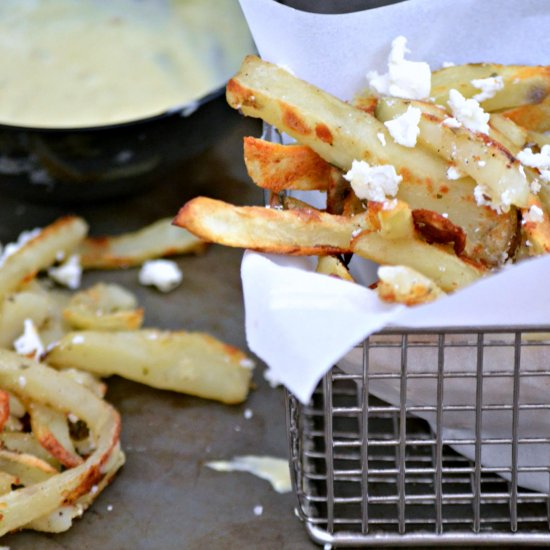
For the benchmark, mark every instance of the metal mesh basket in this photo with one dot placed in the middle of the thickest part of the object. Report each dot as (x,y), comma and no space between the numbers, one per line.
(367,472)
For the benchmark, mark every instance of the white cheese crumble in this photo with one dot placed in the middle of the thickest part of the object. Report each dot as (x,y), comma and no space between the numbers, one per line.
(535,160)
(29,343)
(247,363)
(454,173)
(248,414)
(451,122)
(164,274)
(407,79)
(381,138)
(534,214)
(22,381)
(72,418)
(68,274)
(481,163)
(468,112)
(488,86)
(258,510)
(483,198)
(373,183)
(535,186)
(77,339)
(404,128)
(109,508)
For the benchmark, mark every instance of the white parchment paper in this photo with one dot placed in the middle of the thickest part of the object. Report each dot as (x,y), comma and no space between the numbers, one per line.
(301,323)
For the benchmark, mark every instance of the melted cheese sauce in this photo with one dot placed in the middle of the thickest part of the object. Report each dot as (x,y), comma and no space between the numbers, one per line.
(274,470)
(81,63)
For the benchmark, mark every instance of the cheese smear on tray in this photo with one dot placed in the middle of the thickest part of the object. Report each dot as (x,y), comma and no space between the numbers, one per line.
(81,63)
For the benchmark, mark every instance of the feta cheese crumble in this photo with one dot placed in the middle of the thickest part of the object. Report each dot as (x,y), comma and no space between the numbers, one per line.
(454,173)
(381,138)
(535,160)
(404,128)
(488,86)
(164,274)
(68,274)
(406,79)
(468,112)
(534,214)
(29,343)
(451,122)
(373,183)
(258,510)
(248,414)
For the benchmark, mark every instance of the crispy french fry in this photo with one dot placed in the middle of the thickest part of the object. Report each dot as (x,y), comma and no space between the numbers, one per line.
(407,286)
(522,85)
(62,236)
(193,363)
(278,167)
(534,117)
(298,232)
(331,265)
(131,249)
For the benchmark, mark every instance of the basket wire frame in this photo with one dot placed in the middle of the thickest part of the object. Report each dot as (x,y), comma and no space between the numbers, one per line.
(370,473)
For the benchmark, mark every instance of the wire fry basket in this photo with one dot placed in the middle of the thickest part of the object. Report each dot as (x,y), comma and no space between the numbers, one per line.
(445,456)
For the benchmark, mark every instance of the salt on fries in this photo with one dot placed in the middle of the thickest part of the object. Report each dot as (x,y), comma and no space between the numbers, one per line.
(466,200)
(59,439)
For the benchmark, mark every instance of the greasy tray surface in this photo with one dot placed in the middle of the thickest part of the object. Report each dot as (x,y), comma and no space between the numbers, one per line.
(164,497)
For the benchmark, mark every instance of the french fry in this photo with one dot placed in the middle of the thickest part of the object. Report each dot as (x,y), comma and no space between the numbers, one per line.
(104,307)
(62,236)
(192,363)
(132,249)
(298,232)
(522,85)
(401,284)
(534,117)
(331,265)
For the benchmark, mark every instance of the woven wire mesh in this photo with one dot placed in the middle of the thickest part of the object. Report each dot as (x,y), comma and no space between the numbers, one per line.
(429,439)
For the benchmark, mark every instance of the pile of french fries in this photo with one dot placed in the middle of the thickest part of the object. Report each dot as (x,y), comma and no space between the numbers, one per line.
(59,439)
(465,205)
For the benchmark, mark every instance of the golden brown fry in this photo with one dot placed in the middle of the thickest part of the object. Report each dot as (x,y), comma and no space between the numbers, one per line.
(401,284)
(523,84)
(533,117)
(154,241)
(297,232)
(193,363)
(331,265)
(278,167)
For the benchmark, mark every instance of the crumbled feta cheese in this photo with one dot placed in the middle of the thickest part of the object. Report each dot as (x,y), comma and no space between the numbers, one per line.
(77,339)
(528,243)
(247,363)
(29,343)
(389,205)
(72,418)
(24,238)
(535,186)
(535,160)
(534,214)
(454,173)
(407,79)
(404,128)
(483,198)
(258,510)
(22,381)
(373,183)
(164,274)
(545,175)
(451,122)
(94,489)
(381,138)
(248,414)
(488,86)
(356,232)
(468,112)
(68,274)
(109,508)
(481,163)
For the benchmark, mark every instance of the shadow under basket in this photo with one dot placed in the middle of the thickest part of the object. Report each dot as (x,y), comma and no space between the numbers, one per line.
(431,438)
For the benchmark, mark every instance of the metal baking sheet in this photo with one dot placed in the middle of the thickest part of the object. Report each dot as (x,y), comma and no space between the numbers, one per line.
(164,497)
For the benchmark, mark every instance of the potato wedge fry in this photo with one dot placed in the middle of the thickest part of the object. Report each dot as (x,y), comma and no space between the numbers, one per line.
(533,117)
(193,363)
(304,112)
(47,386)
(28,444)
(397,243)
(298,232)
(278,167)
(104,307)
(62,236)
(28,469)
(52,431)
(132,249)
(522,84)
(6,482)
(331,265)
(487,161)
(404,285)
